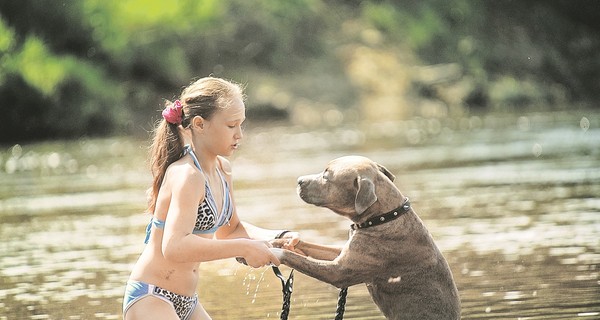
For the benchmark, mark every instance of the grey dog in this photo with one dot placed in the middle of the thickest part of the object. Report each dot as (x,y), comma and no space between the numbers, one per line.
(390,249)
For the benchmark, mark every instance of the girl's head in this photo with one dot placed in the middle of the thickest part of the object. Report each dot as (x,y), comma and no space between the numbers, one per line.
(207,104)
(207,96)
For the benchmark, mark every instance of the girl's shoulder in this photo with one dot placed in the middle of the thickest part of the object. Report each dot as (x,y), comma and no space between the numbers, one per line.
(183,172)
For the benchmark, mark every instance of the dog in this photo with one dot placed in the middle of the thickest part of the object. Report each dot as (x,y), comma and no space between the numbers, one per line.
(390,249)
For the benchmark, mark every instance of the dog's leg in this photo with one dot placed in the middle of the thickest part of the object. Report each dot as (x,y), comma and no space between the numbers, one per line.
(319,251)
(313,250)
(337,272)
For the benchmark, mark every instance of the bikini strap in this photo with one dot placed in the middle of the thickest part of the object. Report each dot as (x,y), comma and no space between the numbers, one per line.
(187,149)
(159,224)
(224,217)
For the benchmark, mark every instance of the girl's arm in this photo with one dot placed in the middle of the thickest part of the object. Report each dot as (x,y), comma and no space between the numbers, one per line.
(179,244)
(242,229)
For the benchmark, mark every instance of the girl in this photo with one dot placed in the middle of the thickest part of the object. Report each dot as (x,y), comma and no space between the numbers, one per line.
(193,213)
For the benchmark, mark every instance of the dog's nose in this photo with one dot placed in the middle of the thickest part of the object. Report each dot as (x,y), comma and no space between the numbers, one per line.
(300,181)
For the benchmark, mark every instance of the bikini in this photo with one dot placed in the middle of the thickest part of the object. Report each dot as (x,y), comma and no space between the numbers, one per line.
(207,221)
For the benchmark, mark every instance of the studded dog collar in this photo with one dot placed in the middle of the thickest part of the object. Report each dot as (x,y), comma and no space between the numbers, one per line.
(386,217)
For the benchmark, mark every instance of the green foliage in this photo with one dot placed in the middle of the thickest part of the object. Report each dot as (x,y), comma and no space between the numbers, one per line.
(97,66)
(7,38)
(39,68)
(554,43)
(83,67)
(384,17)
(57,95)
(7,42)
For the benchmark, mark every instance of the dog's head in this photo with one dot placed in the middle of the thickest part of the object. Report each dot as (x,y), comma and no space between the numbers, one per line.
(348,186)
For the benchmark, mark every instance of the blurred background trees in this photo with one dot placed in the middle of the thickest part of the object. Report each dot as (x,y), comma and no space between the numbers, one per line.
(75,68)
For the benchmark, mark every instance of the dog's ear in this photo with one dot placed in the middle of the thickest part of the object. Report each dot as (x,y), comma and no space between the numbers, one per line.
(387,172)
(365,196)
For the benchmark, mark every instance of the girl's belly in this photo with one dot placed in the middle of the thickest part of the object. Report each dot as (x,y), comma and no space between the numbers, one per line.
(153,268)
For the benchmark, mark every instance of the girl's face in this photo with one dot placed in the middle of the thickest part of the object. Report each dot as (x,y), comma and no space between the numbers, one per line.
(223,132)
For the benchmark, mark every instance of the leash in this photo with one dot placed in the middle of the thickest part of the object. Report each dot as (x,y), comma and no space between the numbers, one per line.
(286,288)
(341,305)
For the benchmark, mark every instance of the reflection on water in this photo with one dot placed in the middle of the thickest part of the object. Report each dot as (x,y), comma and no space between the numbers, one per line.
(512,201)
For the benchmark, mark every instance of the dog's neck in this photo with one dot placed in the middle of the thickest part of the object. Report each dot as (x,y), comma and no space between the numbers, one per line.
(394,199)
(384,218)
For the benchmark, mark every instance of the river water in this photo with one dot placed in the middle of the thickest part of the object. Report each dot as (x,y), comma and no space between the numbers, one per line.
(513,202)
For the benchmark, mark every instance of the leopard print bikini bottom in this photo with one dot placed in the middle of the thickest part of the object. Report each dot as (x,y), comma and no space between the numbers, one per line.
(136,290)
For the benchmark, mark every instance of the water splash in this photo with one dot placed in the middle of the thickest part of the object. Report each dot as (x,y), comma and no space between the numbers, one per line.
(249,278)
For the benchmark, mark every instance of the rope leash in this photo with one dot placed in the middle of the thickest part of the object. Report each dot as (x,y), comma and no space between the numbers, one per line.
(341,304)
(287,289)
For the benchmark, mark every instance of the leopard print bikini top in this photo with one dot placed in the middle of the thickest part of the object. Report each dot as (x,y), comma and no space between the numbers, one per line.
(207,220)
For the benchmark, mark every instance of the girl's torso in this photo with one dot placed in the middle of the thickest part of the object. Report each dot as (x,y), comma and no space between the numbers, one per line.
(181,278)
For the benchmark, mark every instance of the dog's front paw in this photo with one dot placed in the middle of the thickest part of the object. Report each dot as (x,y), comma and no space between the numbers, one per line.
(278,243)
(279,253)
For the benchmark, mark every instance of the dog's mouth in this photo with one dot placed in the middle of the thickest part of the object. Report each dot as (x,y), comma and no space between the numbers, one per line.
(302,193)
(306,195)
(315,197)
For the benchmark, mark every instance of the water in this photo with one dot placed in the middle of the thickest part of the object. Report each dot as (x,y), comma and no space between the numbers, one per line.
(512,201)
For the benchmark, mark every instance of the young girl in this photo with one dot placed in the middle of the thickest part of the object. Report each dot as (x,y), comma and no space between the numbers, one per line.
(193,213)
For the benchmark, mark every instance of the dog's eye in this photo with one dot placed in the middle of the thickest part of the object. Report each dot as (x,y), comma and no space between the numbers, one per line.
(325,175)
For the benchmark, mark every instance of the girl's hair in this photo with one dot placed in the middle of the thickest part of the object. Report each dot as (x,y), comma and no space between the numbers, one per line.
(201,98)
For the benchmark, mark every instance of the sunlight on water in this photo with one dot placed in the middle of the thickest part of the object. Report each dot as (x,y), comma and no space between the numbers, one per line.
(512,201)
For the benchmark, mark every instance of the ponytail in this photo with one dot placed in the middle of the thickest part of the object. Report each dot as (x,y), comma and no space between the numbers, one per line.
(166,148)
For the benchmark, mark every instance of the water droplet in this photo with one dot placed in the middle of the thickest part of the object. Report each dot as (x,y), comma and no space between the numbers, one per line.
(584,123)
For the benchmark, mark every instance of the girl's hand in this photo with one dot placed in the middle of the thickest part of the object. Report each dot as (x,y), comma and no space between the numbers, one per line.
(291,240)
(258,254)
(288,241)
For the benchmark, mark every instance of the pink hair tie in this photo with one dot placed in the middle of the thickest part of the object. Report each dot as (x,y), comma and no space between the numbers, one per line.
(173,113)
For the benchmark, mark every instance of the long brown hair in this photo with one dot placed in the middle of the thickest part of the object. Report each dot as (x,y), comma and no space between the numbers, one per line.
(201,98)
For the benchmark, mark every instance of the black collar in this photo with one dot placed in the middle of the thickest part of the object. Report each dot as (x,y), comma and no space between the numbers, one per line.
(386,217)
